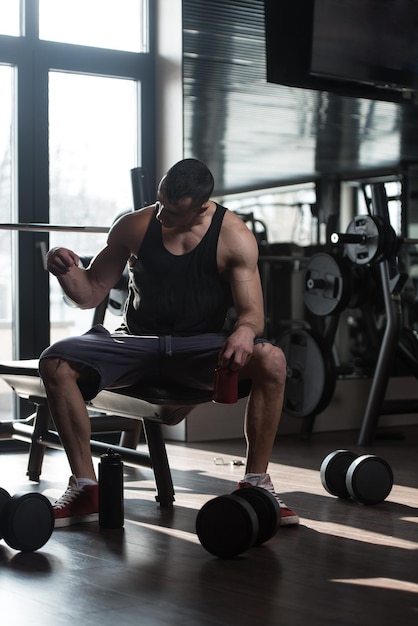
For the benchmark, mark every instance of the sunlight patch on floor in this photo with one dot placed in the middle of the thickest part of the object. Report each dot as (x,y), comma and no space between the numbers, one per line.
(173,532)
(380,583)
(347,532)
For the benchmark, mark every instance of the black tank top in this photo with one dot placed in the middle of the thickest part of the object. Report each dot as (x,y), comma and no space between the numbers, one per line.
(177,294)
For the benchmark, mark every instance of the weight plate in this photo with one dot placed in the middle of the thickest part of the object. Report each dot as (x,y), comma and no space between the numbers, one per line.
(369,251)
(266,508)
(326,285)
(227,526)
(311,370)
(28,521)
(4,498)
(369,479)
(333,472)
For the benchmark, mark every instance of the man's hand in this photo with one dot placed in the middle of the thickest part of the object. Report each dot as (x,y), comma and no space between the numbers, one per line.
(238,348)
(59,261)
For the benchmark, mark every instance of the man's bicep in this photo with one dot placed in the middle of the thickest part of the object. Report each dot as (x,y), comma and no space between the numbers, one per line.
(246,288)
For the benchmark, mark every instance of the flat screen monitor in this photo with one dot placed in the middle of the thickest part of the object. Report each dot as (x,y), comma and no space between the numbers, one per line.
(374,42)
(357,48)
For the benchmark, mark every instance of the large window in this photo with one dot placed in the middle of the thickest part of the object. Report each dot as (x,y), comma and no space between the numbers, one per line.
(92,147)
(77,114)
(7,208)
(281,215)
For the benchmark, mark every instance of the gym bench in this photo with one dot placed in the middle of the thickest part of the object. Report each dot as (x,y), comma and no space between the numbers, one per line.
(122,411)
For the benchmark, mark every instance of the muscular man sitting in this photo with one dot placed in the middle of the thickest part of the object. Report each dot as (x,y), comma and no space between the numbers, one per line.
(189,259)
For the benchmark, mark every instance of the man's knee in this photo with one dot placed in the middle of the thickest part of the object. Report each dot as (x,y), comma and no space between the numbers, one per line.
(269,363)
(54,369)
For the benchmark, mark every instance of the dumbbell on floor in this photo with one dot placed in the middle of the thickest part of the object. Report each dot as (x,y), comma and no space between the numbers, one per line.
(231,524)
(26,520)
(367,479)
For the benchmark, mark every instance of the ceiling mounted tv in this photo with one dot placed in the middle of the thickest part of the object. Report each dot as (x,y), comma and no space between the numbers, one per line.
(357,48)
(367,41)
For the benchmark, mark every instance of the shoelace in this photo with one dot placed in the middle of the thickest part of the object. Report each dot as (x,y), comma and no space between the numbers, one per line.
(270,488)
(67,497)
(281,503)
(279,500)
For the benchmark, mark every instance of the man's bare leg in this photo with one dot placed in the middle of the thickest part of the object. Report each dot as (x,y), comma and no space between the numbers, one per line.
(70,414)
(267,370)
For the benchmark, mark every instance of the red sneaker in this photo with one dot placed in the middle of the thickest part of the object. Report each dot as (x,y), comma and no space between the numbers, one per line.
(77,505)
(288,517)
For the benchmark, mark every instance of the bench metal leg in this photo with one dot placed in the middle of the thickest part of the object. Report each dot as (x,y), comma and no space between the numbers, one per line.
(37,450)
(159,462)
(130,438)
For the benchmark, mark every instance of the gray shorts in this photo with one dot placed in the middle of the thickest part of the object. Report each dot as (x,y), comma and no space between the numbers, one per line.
(121,360)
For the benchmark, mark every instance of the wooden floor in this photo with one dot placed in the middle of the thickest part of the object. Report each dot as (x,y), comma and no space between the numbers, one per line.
(346,564)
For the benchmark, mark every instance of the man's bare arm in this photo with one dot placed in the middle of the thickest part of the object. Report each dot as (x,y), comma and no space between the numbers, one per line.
(87,287)
(241,250)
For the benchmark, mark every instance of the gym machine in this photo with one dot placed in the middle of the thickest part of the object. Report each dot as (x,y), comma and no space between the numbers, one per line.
(371,240)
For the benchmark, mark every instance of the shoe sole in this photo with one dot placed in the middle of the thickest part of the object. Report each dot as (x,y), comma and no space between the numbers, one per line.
(62,522)
(289,520)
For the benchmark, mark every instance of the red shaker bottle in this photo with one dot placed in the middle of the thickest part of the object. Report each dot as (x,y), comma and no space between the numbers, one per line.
(225,386)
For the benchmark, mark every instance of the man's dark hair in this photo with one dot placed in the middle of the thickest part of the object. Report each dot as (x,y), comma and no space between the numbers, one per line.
(189,177)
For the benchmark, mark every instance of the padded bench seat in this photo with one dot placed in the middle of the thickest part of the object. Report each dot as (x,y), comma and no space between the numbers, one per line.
(121,410)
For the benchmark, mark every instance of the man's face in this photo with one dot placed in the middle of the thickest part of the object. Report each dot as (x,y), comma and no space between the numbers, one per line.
(180,214)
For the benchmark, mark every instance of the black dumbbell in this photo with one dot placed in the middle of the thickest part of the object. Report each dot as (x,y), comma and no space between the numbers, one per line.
(231,524)
(367,479)
(26,520)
